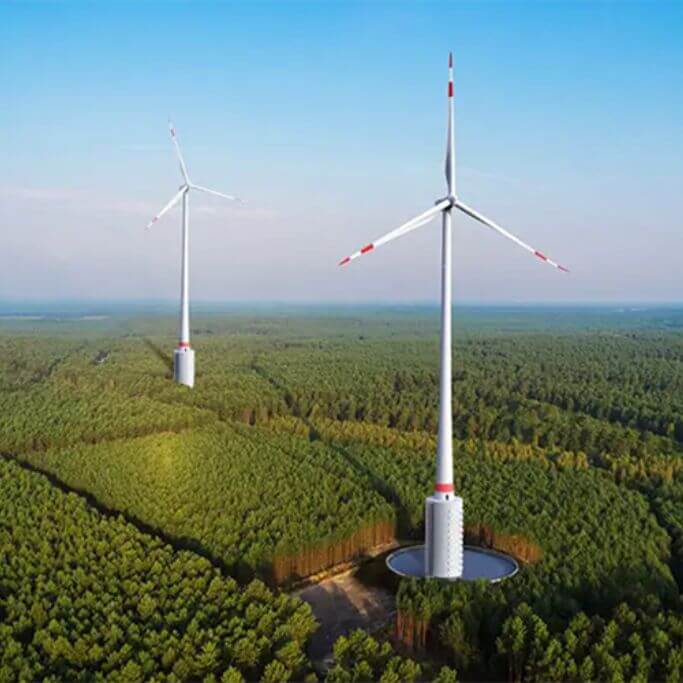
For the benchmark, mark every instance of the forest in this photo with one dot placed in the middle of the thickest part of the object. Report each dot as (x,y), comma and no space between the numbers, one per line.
(90,597)
(308,441)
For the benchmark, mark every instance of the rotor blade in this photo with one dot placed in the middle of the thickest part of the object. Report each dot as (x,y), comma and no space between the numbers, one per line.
(183,168)
(214,192)
(404,229)
(176,198)
(501,231)
(450,141)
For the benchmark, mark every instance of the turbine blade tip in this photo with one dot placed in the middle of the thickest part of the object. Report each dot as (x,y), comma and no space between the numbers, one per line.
(344,261)
(450,74)
(563,269)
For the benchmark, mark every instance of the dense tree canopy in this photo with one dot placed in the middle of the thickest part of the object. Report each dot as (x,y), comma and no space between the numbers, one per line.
(307,441)
(244,495)
(82,594)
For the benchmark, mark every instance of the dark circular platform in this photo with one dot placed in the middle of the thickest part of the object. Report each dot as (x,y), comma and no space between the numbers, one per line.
(478,563)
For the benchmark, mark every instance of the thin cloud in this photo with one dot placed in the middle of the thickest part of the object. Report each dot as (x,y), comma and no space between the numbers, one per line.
(75,197)
(93,201)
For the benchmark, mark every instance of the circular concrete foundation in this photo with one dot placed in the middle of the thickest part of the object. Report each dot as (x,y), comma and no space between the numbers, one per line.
(478,563)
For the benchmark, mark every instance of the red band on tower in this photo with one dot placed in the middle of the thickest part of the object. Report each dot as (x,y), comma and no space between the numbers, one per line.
(444,488)
(184,345)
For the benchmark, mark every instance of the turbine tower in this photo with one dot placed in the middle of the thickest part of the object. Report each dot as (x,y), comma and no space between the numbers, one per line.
(444,510)
(183,356)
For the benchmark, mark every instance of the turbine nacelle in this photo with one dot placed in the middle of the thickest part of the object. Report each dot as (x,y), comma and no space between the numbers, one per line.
(187,185)
(451,199)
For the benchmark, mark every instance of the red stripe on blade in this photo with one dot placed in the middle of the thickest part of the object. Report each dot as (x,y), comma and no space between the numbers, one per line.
(450,60)
(367,248)
(563,269)
(344,261)
(541,255)
(444,488)
(450,88)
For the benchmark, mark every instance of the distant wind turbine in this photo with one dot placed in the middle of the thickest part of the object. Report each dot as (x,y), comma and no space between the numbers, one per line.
(183,357)
(444,510)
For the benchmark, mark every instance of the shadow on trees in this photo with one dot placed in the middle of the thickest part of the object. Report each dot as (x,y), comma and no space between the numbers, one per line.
(404,526)
(158,351)
(240,571)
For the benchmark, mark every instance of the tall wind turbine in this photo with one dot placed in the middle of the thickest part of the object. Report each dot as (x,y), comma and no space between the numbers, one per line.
(444,510)
(183,356)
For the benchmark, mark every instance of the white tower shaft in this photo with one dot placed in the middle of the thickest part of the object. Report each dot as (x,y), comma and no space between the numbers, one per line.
(443,510)
(183,358)
(184,334)
(444,454)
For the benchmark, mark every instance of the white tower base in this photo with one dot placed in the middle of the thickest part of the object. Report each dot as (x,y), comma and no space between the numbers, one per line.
(444,536)
(183,366)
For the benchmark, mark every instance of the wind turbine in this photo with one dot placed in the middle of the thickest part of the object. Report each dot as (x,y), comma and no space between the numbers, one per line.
(444,511)
(183,356)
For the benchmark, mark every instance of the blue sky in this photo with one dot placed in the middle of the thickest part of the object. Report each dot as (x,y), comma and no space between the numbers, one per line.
(329,119)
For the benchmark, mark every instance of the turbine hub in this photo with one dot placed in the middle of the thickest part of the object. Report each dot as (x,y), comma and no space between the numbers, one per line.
(450,198)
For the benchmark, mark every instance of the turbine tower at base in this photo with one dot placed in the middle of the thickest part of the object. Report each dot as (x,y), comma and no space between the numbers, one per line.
(444,537)
(444,551)
(183,366)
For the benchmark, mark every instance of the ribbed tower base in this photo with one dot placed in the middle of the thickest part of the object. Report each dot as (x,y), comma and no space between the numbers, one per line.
(444,538)
(183,366)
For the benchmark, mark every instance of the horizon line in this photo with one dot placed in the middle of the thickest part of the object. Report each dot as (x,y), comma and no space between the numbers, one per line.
(30,302)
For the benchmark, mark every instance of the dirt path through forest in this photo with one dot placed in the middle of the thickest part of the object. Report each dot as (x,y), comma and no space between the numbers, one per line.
(341,604)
